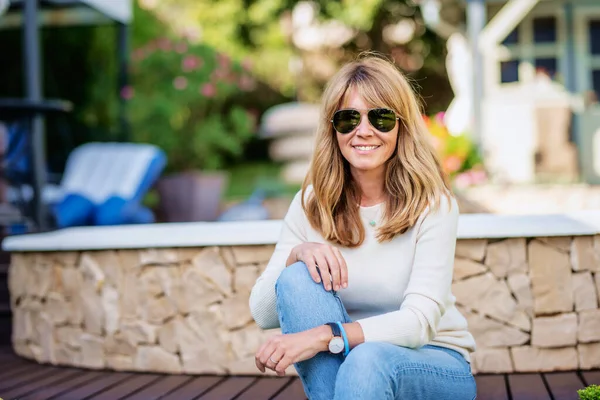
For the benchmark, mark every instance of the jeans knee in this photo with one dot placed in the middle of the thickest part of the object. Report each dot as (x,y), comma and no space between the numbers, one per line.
(293,277)
(365,374)
(364,356)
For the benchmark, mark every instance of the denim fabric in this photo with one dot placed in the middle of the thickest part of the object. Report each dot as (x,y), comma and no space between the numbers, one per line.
(372,370)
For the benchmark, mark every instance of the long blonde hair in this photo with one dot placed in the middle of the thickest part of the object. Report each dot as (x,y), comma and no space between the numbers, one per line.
(414,179)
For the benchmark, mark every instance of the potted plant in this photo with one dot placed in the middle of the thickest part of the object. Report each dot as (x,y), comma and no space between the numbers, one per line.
(183,99)
(591,392)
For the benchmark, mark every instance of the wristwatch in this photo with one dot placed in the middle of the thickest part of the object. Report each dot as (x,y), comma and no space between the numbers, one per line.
(336,344)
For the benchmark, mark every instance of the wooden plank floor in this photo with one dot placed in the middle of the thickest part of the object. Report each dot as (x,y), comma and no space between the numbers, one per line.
(26,380)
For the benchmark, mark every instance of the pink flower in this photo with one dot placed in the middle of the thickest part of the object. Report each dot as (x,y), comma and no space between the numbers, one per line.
(127,92)
(452,164)
(478,176)
(439,118)
(181,47)
(247,64)
(190,63)
(462,181)
(164,44)
(219,74)
(138,54)
(208,90)
(223,61)
(247,83)
(180,82)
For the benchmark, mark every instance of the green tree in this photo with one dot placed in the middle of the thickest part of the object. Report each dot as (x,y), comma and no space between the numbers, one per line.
(258,30)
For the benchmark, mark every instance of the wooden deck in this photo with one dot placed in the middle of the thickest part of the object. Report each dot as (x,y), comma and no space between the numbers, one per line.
(26,380)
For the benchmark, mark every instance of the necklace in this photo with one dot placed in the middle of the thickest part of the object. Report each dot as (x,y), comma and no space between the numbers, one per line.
(372,221)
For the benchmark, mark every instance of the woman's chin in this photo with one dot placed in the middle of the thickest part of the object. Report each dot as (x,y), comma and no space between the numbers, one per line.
(366,166)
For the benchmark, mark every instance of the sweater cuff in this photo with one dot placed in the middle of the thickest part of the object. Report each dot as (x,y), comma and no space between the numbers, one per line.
(402,328)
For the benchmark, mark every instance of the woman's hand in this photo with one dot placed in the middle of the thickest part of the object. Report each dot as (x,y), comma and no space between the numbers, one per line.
(327,259)
(281,351)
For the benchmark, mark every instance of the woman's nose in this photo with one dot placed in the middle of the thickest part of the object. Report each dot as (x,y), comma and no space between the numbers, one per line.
(364,128)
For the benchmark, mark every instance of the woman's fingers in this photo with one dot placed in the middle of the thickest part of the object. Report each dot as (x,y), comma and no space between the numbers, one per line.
(275,358)
(323,266)
(283,364)
(262,355)
(343,267)
(334,269)
(257,361)
(312,269)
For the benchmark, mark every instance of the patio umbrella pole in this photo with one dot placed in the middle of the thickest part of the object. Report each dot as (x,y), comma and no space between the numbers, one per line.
(33,87)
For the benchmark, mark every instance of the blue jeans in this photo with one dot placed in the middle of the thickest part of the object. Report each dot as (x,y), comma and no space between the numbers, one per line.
(372,370)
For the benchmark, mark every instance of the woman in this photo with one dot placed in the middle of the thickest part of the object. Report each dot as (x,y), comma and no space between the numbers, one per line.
(360,280)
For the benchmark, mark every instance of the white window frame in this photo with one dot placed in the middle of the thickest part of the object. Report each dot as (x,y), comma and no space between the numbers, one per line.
(586,62)
(527,51)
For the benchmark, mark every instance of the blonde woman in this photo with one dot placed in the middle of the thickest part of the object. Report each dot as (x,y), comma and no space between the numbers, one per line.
(360,279)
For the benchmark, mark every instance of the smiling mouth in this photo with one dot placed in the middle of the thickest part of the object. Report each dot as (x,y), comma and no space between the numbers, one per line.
(365,148)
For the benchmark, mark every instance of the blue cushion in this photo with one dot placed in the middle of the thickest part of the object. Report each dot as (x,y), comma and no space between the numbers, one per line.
(73,210)
(142,215)
(118,211)
(114,211)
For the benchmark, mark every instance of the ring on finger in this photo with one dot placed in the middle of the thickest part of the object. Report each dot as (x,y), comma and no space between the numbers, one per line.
(273,361)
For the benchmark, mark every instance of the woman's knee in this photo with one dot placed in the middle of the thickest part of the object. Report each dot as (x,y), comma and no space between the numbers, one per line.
(370,355)
(294,279)
(365,373)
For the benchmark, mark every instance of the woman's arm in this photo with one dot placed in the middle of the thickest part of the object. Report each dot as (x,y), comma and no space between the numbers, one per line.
(262,297)
(295,347)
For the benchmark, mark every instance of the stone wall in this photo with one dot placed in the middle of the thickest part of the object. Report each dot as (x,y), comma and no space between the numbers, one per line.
(532,305)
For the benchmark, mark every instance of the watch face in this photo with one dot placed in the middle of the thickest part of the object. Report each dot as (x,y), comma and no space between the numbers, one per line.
(336,345)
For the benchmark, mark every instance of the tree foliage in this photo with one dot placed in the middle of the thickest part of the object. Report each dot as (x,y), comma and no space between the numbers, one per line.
(260,30)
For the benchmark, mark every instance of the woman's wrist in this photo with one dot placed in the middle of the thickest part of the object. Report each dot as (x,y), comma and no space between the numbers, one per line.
(323,336)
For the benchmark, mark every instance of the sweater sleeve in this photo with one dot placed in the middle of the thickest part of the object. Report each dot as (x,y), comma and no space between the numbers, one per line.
(262,297)
(423,305)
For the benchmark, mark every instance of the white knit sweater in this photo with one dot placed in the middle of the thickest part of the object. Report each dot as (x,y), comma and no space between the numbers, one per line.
(398,291)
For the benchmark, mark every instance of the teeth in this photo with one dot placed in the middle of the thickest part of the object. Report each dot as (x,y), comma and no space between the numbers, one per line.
(366,147)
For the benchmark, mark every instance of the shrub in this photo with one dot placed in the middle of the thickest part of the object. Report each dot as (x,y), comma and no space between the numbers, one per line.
(183,99)
(591,392)
(458,154)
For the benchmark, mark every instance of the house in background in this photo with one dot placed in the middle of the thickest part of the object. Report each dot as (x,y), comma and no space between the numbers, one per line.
(534,72)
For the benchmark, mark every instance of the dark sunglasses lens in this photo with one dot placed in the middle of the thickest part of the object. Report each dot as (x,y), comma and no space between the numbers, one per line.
(382,119)
(345,121)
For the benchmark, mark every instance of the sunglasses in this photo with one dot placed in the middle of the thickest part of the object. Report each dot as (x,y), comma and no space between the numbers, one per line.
(382,119)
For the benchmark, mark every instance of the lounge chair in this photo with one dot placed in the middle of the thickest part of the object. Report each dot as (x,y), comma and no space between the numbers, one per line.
(104,184)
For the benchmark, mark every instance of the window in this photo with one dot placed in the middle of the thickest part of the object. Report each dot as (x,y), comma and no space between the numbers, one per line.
(547,65)
(544,30)
(594,35)
(596,82)
(512,38)
(509,71)
(537,42)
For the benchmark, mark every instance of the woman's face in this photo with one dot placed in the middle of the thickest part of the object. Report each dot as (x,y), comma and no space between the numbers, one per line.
(366,148)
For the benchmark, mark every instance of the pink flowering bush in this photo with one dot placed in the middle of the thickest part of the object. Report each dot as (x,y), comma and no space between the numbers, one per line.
(458,154)
(183,99)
